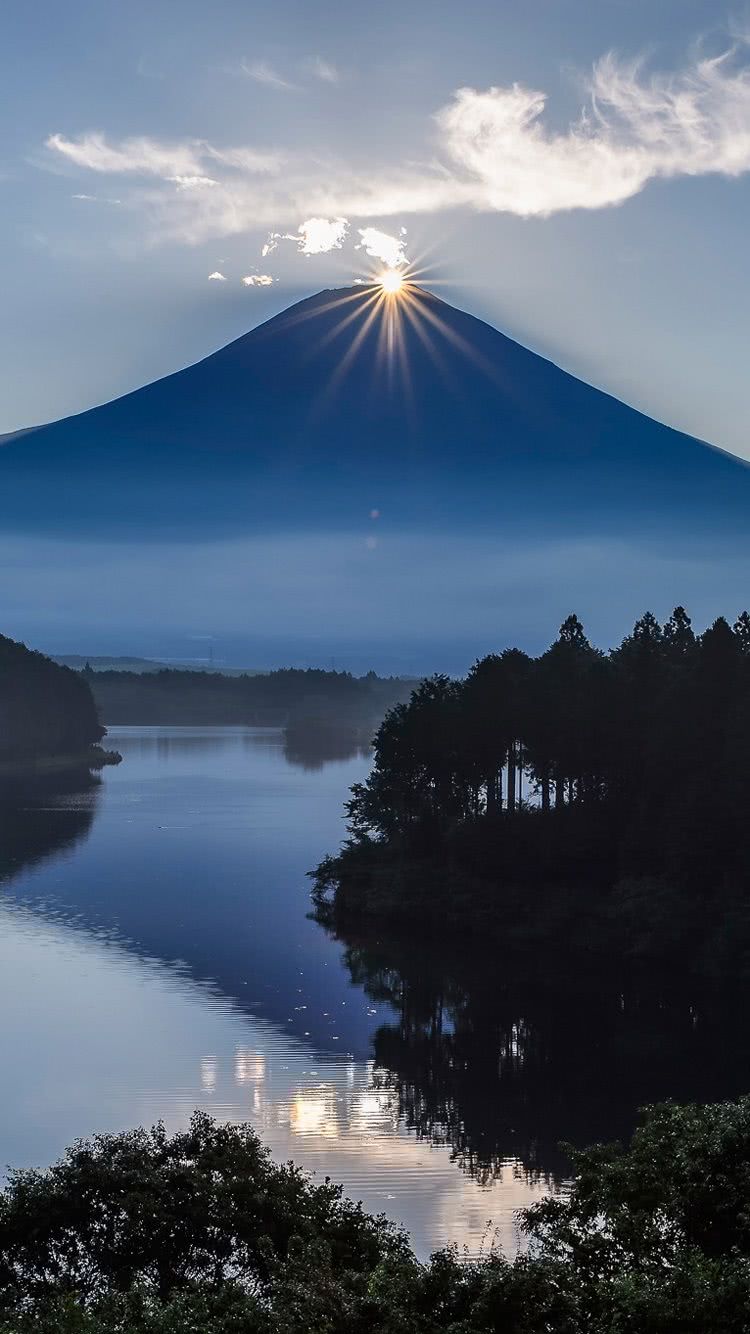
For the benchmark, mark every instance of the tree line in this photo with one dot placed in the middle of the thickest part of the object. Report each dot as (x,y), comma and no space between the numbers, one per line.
(629,762)
(278,698)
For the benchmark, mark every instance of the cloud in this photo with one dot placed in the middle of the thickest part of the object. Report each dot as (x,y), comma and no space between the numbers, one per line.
(192,182)
(263,73)
(142,156)
(379,245)
(252,161)
(216,277)
(257,280)
(323,70)
(96,199)
(635,128)
(316,236)
(182,164)
(492,151)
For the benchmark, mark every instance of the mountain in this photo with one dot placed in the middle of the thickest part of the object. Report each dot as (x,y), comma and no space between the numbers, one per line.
(318,414)
(350,405)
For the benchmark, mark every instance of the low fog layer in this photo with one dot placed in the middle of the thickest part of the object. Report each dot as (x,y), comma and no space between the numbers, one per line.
(394,602)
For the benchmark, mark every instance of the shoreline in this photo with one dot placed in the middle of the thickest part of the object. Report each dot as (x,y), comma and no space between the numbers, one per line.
(43,765)
(644,923)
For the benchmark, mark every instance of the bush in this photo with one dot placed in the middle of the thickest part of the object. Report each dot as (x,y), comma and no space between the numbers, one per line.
(202,1234)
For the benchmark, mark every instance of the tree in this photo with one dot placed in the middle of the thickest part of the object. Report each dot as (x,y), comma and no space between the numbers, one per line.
(741,628)
(678,636)
(487,714)
(556,724)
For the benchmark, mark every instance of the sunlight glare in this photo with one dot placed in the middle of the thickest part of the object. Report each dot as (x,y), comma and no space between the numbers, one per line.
(391,281)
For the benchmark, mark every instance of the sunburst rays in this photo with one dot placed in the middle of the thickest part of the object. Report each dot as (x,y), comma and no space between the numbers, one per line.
(382,316)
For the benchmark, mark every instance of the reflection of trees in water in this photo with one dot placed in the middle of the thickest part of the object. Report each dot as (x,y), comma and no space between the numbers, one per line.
(311,743)
(502,1062)
(308,744)
(180,742)
(41,817)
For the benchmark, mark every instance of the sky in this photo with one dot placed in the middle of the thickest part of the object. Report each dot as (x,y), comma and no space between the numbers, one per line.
(578,174)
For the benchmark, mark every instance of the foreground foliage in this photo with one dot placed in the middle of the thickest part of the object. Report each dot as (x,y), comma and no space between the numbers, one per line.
(145,1234)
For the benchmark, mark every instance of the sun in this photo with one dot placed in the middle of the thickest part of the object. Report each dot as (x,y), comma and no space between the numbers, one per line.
(391,281)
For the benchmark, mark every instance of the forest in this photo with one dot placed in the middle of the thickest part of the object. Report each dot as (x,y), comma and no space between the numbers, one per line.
(46,711)
(608,787)
(288,697)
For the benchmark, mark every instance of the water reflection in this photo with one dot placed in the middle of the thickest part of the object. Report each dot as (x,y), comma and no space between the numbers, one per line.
(311,743)
(308,744)
(103,1038)
(43,817)
(501,1059)
(165,961)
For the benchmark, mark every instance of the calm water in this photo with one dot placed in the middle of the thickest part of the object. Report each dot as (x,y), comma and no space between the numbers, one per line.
(156,956)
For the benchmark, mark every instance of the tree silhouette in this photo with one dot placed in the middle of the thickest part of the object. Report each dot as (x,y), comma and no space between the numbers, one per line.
(635,762)
(45,710)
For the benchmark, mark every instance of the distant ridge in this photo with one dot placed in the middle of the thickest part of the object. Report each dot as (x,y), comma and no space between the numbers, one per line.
(78,661)
(98,663)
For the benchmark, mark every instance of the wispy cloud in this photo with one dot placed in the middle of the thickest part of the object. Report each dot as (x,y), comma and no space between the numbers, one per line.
(96,199)
(262,72)
(492,151)
(257,280)
(182,164)
(142,156)
(636,128)
(251,161)
(192,182)
(216,277)
(324,70)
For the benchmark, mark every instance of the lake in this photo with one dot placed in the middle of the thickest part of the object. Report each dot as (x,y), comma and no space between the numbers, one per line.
(156,956)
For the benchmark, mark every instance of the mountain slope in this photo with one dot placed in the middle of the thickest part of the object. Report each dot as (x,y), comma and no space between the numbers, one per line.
(344,403)
(393,483)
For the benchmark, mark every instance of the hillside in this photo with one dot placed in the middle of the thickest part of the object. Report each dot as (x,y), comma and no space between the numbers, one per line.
(46,711)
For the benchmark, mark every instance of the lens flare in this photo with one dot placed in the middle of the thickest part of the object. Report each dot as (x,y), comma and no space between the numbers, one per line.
(391,281)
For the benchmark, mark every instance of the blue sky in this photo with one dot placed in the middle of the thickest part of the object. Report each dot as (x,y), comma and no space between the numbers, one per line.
(148,145)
